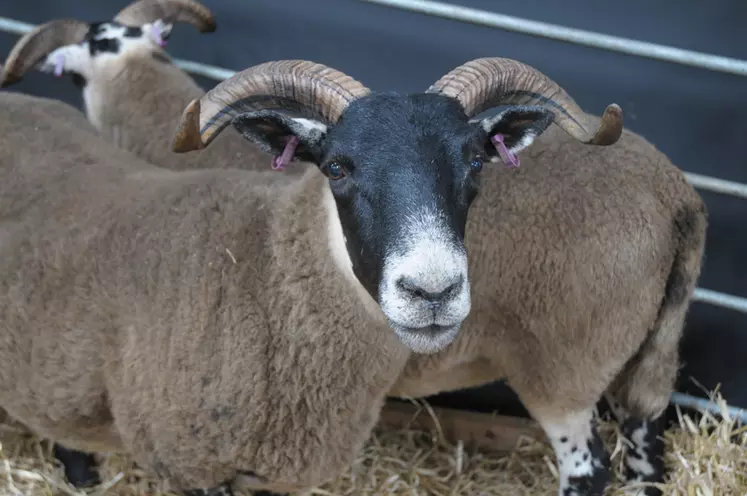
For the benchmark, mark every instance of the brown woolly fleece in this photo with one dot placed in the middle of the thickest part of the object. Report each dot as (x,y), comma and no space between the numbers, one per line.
(196,320)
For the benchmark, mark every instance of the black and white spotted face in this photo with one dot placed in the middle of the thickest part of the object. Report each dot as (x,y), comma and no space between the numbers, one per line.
(403,171)
(105,42)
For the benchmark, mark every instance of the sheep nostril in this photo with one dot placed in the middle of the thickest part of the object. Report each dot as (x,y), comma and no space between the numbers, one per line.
(446,291)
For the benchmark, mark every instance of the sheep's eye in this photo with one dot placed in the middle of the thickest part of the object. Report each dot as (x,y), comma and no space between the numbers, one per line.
(334,171)
(476,165)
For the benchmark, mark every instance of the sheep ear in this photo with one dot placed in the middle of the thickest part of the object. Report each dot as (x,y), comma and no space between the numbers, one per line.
(515,128)
(71,59)
(271,130)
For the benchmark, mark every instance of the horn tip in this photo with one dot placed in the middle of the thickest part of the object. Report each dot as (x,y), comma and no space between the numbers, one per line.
(611,127)
(613,110)
(210,25)
(187,137)
(8,79)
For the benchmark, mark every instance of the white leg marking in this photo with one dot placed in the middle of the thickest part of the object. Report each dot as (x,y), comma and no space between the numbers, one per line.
(639,452)
(570,439)
(640,464)
(577,448)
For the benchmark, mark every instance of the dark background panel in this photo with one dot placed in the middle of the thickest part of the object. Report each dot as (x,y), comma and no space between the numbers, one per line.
(694,115)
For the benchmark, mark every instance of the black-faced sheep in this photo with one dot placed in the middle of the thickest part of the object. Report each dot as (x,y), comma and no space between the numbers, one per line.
(582,261)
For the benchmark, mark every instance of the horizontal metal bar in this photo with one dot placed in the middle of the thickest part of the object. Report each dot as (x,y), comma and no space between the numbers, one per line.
(571,35)
(722,186)
(15,27)
(702,404)
(209,71)
(722,300)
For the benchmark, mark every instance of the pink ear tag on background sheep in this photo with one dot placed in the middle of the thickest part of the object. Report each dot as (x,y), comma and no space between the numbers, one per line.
(279,162)
(510,159)
(59,62)
(158,33)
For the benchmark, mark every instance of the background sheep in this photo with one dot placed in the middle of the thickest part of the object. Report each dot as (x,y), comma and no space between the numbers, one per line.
(132,91)
(213,323)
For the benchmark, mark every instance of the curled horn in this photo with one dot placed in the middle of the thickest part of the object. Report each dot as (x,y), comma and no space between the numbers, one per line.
(489,82)
(37,44)
(305,88)
(170,11)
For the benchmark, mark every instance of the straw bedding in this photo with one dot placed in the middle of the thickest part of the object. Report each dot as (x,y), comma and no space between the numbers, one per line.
(707,456)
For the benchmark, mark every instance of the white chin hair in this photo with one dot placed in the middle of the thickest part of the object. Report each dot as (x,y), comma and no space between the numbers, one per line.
(426,341)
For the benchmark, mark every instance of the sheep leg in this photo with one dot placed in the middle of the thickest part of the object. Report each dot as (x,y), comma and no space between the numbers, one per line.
(643,389)
(583,461)
(644,462)
(80,467)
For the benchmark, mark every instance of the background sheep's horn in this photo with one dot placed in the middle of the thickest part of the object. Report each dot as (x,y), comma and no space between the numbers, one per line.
(304,88)
(37,44)
(489,82)
(170,11)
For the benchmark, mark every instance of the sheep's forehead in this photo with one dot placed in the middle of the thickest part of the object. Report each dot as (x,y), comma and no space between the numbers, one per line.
(115,38)
(401,122)
(111,30)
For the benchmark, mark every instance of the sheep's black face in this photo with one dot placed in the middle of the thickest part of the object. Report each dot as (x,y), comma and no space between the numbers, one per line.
(403,171)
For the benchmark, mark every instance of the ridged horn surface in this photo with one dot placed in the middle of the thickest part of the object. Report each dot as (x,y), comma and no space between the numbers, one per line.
(485,83)
(306,88)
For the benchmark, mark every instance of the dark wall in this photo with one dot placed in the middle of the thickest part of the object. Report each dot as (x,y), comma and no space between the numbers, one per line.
(695,116)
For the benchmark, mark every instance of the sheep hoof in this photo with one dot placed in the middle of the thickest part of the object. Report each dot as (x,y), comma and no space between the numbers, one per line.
(80,467)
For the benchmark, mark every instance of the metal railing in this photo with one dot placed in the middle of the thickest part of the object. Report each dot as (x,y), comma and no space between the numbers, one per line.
(704,405)
(569,35)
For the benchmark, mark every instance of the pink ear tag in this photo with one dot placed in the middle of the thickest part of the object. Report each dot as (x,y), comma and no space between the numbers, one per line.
(509,159)
(59,63)
(158,33)
(279,162)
